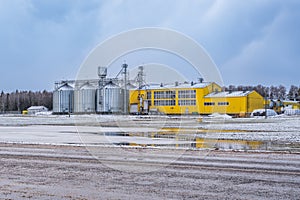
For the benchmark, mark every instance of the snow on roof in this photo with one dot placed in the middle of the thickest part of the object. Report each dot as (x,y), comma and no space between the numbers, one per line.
(228,94)
(87,86)
(37,108)
(290,101)
(65,86)
(111,85)
(157,86)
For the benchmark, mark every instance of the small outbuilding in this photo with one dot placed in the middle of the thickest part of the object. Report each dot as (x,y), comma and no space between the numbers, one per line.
(36,109)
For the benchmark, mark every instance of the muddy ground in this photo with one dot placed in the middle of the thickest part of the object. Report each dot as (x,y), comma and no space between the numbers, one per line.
(148,157)
(39,171)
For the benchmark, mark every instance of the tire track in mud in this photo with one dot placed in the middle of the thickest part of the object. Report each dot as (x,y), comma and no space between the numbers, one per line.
(228,162)
(28,171)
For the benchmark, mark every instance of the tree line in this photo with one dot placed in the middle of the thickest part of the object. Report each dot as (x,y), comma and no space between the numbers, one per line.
(272,92)
(21,100)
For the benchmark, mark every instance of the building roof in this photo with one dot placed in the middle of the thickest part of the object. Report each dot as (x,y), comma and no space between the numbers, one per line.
(156,86)
(65,86)
(87,86)
(37,108)
(228,94)
(290,101)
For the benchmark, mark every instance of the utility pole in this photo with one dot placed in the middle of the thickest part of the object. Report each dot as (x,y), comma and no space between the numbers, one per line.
(124,66)
(2,102)
(140,83)
(266,115)
(18,101)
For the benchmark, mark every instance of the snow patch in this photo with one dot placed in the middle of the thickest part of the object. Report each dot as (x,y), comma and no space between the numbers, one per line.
(292,112)
(262,112)
(222,116)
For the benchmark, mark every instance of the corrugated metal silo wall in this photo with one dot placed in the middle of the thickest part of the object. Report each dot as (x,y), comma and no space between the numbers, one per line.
(110,99)
(63,101)
(84,101)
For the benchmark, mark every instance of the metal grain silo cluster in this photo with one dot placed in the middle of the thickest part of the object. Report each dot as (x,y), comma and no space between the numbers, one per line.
(105,95)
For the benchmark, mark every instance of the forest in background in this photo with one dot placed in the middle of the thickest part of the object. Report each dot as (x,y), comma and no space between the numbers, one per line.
(272,92)
(21,100)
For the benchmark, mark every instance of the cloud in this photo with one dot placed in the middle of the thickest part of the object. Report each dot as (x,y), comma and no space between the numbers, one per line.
(42,45)
(272,58)
(53,37)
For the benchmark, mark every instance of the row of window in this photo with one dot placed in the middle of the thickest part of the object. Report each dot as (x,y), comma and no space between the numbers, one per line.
(223,103)
(186,98)
(172,102)
(187,94)
(182,94)
(209,103)
(164,102)
(187,102)
(164,94)
(219,103)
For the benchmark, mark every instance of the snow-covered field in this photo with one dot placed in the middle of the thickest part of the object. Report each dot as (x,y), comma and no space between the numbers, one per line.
(85,161)
(179,131)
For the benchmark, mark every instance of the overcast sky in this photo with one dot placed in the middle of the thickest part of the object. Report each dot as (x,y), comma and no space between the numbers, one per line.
(251,42)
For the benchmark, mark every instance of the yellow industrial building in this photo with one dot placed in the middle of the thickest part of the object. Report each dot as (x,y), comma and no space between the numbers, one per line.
(291,104)
(194,98)
(278,105)
(239,103)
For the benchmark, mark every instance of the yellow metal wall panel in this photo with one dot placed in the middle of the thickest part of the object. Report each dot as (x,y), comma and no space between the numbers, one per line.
(236,105)
(255,101)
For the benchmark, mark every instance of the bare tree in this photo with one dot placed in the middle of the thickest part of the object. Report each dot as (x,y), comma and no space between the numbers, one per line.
(281,92)
(293,92)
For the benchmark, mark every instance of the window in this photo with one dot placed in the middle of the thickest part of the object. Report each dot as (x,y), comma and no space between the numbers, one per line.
(149,95)
(186,102)
(223,103)
(209,103)
(164,102)
(164,94)
(169,94)
(187,94)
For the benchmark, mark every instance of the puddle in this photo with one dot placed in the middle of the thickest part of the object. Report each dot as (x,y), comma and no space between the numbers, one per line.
(175,139)
(193,130)
(202,143)
(187,138)
(231,144)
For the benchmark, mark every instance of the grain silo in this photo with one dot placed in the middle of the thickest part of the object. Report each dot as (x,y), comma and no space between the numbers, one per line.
(84,99)
(110,99)
(63,99)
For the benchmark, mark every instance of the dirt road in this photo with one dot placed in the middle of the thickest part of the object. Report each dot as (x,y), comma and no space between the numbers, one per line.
(68,172)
